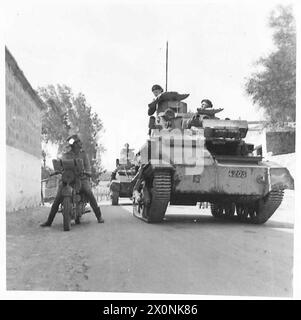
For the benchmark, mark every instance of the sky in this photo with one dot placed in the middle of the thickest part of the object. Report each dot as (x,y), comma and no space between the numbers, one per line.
(114,51)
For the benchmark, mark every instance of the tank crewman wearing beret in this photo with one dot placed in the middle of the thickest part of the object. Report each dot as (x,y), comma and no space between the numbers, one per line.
(75,153)
(157,91)
(152,107)
(206,104)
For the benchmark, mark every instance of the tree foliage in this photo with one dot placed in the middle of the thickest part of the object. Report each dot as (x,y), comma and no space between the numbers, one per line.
(68,114)
(274,87)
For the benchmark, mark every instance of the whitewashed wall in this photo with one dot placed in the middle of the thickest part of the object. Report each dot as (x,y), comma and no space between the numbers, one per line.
(23,179)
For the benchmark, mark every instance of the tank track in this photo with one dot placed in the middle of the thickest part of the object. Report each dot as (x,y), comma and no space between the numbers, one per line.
(160,197)
(257,213)
(216,210)
(267,206)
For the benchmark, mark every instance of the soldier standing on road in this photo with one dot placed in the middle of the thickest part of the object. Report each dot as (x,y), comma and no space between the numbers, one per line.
(75,153)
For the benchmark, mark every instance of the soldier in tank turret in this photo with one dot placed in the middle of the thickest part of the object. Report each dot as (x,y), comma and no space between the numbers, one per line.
(206,104)
(157,91)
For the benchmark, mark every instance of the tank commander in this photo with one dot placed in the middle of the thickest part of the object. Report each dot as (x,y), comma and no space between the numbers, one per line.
(157,91)
(75,153)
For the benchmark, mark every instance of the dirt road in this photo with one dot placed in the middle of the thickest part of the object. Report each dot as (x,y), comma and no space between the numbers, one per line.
(190,252)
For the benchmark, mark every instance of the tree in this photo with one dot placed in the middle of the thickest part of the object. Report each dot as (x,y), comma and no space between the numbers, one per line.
(274,87)
(68,114)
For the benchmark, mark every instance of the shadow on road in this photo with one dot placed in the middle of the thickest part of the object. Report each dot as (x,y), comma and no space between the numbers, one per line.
(177,219)
(207,219)
(174,217)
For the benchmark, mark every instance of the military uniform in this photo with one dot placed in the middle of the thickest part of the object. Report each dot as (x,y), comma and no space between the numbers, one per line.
(85,188)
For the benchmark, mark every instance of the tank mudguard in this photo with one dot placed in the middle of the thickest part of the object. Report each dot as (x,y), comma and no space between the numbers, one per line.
(280,178)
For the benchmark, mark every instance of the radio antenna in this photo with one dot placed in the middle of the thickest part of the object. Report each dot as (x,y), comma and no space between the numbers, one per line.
(166,80)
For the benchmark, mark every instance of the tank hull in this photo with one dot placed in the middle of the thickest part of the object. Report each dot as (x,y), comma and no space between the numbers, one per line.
(231,181)
(213,177)
(246,186)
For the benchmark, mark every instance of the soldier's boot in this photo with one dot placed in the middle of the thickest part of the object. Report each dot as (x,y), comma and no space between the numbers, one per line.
(52,213)
(95,207)
(45,224)
(98,216)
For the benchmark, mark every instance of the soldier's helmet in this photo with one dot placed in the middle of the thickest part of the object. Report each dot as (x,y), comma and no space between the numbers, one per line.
(73,139)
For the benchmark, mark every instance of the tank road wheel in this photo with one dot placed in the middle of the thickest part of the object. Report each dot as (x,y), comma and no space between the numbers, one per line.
(67,207)
(114,198)
(265,207)
(251,213)
(155,197)
(242,212)
(217,210)
(229,210)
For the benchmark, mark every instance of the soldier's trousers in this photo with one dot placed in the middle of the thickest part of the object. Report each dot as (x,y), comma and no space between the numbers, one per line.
(86,189)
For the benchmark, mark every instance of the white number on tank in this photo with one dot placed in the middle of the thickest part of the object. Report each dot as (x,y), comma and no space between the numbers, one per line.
(237,174)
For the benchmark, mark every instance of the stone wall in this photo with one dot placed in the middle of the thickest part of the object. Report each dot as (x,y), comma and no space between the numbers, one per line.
(280,142)
(23,139)
(273,142)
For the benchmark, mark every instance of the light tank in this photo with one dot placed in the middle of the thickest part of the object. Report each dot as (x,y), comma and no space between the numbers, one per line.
(122,178)
(197,157)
